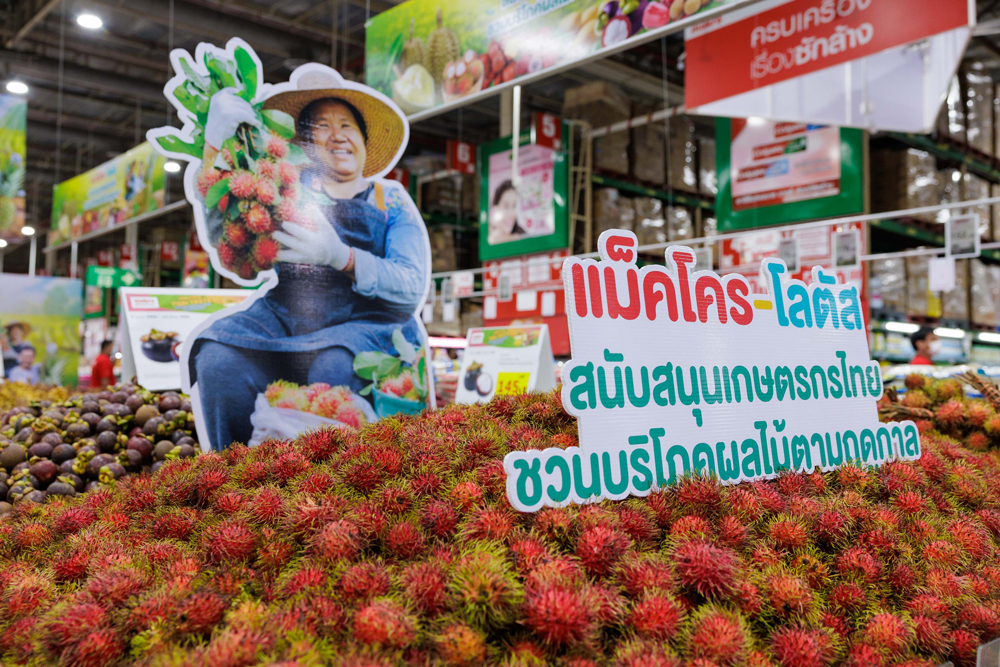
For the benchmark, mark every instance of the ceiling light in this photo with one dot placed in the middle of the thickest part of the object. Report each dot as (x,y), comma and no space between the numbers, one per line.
(28,230)
(902,327)
(945,332)
(17,87)
(988,337)
(171,167)
(89,21)
(3,244)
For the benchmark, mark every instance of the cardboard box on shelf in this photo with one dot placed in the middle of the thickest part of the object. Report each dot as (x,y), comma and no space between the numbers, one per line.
(888,285)
(649,150)
(708,182)
(951,119)
(601,103)
(979,108)
(955,302)
(949,190)
(612,211)
(903,179)
(984,291)
(920,300)
(443,255)
(974,187)
(650,225)
(682,156)
(680,224)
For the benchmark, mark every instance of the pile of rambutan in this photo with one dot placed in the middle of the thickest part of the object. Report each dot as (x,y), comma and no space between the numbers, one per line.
(395,545)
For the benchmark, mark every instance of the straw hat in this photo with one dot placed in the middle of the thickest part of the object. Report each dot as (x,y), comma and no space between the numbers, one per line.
(387,127)
(25,327)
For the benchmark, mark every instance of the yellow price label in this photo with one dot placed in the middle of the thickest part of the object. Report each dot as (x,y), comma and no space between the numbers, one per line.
(512,383)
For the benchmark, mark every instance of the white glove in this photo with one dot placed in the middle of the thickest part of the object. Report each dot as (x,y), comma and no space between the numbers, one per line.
(307,245)
(225,113)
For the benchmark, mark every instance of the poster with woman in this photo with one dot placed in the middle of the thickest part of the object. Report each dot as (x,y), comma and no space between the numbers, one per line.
(288,189)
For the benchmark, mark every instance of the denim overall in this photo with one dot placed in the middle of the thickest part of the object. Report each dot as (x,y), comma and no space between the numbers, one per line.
(312,315)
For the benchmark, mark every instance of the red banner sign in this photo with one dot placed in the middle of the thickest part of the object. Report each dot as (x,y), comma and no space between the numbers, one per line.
(461,157)
(104,257)
(124,255)
(170,251)
(546,130)
(801,37)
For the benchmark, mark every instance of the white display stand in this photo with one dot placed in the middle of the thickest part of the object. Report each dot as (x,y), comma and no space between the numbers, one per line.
(505,360)
(169,310)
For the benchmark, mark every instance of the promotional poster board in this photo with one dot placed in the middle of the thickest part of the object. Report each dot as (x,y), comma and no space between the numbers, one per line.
(845,62)
(531,219)
(156,323)
(124,187)
(698,373)
(45,314)
(339,252)
(502,361)
(771,173)
(425,53)
(13,147)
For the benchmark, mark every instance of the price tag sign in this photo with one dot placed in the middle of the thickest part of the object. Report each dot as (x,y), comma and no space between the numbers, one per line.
(546,130)
(462,157)
(962,237)
(512,384)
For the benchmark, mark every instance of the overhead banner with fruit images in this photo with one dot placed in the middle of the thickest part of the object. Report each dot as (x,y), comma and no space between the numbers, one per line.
(122,188)
(13,144)
(427,53)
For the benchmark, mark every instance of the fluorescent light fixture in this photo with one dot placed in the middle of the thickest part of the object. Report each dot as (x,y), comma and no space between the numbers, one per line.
(89,21)
(28,230)
(17,87)
(988,337)
(902,327)
(171,167)
(945,332)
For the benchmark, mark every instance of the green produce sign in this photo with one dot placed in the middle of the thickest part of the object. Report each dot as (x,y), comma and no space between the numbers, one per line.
(107,276)
(425,53)
(772,173)
(13,117)
(122,188)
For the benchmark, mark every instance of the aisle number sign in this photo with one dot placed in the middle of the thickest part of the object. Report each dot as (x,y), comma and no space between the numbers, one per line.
(109,276)
(676,371)
(505,361)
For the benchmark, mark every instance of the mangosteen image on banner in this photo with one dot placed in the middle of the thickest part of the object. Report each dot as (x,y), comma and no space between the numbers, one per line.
(160,345)
(288,190)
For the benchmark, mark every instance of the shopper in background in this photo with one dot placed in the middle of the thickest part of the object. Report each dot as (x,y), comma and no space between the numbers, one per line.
(12,342)
(926,344)
(26,370)
(102,373)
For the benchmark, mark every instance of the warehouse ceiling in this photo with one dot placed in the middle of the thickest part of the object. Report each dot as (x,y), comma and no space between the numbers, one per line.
(94,93)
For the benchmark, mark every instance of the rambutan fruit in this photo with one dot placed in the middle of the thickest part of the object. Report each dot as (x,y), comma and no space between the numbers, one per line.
(915,399)
(306,579)
(836,623)
(527,552)
(699,495)
(426,586)
(337,540)
(950,415)
(201,612)
(638,573)
(748,598)
(113,587)
(717,635)
(258,220)
(72,624)
(385,623)
(788,534)
(979,619)
(466,495)
(977,441)
(265,251)
(691,525)
(946,389)
(405,540)
(32,535)
(789,596)
(802,647)
(277,148)
(600,547)
(364,580)
(656,616)
(95,649)
(705,569)
(555,525)
(815,571)
(910,503)
(831,527)
(969,537)
(438,518)
(558,615)
(890,633)
(72,566)
(458,645)
(915,381)
(977,412)
(645,653)
(860,562)
(243,184)
(863,655)
(485,590)
(942,553)
(929,635)
(74,519)
(964,647)
(488,524)
(992,426)
(229,541)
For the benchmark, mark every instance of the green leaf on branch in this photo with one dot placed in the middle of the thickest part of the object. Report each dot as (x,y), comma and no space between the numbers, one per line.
(197,79)
(216,192)
(184,96)
(279,122)
(174,144)
(365,363)
(221,71)
(388,367)
(247,69)
(296,156)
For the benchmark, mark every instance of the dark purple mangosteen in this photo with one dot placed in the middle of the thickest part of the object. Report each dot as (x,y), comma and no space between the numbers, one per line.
(41,450)
(63,453)
(107,442)
(106,425)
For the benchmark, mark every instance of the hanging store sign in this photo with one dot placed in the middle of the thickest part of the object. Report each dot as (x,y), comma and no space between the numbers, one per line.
(843,62)
(109,276)
(13,144)
(124,187)
(428,53)
(677,372)
(461,157)
(546,130)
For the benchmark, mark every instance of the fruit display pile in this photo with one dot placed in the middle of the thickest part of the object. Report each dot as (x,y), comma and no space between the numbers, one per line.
(21,394)
(395,545)
(319,399)
(89,441)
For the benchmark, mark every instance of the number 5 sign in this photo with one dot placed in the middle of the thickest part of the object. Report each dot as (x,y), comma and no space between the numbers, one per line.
(546,130)
(462,157)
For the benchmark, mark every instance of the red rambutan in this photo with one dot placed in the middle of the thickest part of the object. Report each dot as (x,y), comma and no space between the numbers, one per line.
(656,616)
(364,580)
(559,616)
(706,569)
(229,541)
(337,540)
(801,647)
(385,623)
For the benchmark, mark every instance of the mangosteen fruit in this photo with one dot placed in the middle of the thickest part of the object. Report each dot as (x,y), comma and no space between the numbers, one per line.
(44,471)
(88,451)
(4,476)
(155,426)
(171,415)
(74,480)
(163,447)
(98,462)
(3,490)
(131,460)
(135,431)
(52,439)
(169,401)
(5,508)
(89,407)
(24,435)
(59,488)
(93,486)
(77,430)
(41,450)
(141,445)
(111,472)
(107,442)
(134,402)
(484,384)
(35,496)
(186,405)
(106,425)
(145,413)
(66,467)
(12,455)
(129,389)
(183,451)
(63,453)
(92,419)
(177,434)
(20,470)
(186,440)
(17,492)
(119,410)
(53,416)
(118,397)
(156,466)
(103,395)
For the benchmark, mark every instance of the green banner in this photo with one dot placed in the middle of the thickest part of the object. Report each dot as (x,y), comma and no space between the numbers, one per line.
(771,173)
(122,188)
(42,314)
(13,120)
(109,276)
(425,53)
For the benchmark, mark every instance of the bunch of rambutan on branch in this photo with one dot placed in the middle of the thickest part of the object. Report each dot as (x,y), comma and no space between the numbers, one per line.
(395,545)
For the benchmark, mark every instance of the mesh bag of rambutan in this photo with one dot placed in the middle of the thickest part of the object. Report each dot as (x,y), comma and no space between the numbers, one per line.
(252,186)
